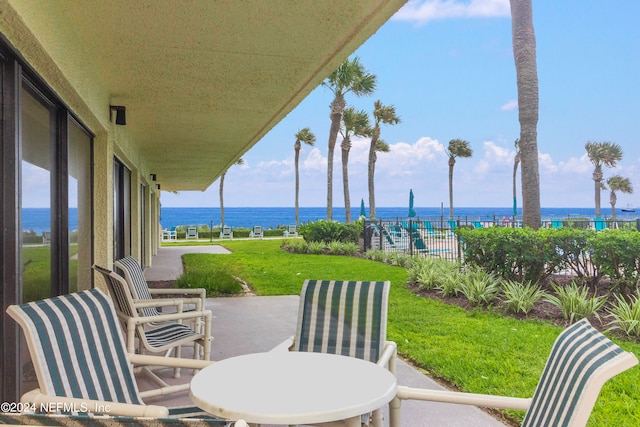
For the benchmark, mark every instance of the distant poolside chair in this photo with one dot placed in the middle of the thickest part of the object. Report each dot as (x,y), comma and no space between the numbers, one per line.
(291,231)
(420,246)
(256,232)
(452,224)
(556,224)
(192,233)
(429,227)
(599,224)
(477,224)
(226,232)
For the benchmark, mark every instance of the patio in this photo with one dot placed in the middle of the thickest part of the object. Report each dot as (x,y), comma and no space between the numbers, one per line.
(243,325)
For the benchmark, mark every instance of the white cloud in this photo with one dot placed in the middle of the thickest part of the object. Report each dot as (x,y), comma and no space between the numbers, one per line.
(422,12)
(407,159)
(495,157)
(510,105)
(578,166)
(315,161)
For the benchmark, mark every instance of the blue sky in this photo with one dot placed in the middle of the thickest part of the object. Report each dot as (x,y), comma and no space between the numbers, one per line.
(447,67)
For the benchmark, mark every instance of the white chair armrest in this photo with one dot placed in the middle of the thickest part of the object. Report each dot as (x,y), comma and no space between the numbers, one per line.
(484,400)
(171,362)
(173,316)
(201,292)
(389,352)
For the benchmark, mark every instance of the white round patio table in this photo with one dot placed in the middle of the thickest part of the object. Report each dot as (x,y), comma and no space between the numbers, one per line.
(282,387)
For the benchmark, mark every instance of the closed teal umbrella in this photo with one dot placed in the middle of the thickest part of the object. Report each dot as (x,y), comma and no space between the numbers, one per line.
(412,211)
(362,212)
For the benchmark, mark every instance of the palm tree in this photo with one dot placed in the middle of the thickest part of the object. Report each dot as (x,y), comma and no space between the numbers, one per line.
(618,184)
(524,55)
(457,148)
(602,154)
(356,123)
(381,114)
(240,161)
(381,147)
(516,161)
(351,76)
(304,136)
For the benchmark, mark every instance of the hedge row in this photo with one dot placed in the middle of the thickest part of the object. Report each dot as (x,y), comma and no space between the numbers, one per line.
(526,254)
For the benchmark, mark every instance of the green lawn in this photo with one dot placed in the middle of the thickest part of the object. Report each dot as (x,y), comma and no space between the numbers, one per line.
(479,352)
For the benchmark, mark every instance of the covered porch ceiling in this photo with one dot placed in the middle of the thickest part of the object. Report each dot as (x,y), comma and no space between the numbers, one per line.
(205,80)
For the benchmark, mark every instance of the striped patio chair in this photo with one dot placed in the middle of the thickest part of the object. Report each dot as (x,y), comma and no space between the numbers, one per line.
(165,333)
(81,360)
(140,290)
(346,318)
(581,361)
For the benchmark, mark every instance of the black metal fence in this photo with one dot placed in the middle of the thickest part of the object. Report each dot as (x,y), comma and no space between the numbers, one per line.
(435,236)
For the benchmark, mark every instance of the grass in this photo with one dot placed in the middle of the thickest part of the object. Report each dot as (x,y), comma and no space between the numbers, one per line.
(478,351)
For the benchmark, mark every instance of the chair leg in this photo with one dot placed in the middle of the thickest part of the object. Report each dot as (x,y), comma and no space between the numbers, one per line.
(394,413)
(376,418)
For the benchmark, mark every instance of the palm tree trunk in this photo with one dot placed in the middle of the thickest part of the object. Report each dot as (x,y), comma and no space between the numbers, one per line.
(297,157)
(337,109)
(345,181)
(221,200)
(597,179)
(452,162)
(524,53)
(371,167)
(613,199)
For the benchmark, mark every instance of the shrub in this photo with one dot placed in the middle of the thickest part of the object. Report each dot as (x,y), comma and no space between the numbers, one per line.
(511,253)
(575,302)
(450,284)
(376,255)
(626,315)
(400,259)
(328,231)
(342,248)
(480,287)
(616,253)
(297,246)
(521,297)
(316,248)
(216,282)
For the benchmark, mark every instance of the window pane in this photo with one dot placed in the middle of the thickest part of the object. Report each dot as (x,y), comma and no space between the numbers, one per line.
(36,199)
(79,208)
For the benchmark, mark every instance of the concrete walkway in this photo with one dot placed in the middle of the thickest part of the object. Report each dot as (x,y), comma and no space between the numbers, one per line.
(244,325)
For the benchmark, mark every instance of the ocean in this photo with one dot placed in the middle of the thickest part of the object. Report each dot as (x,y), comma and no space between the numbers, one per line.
(37,219)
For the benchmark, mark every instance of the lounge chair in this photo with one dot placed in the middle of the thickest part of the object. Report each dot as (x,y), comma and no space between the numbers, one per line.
(556,224)
(46,237)
(291,231)
(420,247)
(477,224)
(80,357)
(348,318)
(192,233)
(161,333)
(256,232)
(171,234)
(599,224)
(429,227)
(226,233)
(581,361)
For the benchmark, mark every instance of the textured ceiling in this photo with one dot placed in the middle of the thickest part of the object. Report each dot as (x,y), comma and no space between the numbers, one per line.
(203,81)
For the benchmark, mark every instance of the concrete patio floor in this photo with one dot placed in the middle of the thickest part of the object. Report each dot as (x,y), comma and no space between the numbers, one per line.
(243,325)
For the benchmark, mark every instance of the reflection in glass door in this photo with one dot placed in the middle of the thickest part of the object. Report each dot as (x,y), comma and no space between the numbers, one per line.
(36,198)
(80,252)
